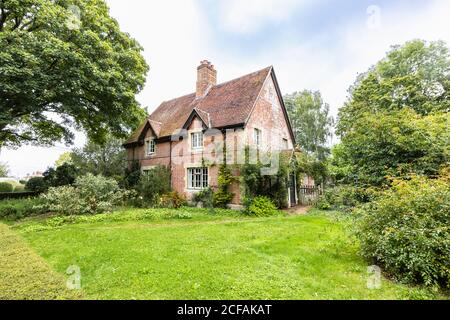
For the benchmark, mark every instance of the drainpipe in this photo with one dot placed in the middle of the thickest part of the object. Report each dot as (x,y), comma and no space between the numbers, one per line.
(170,163)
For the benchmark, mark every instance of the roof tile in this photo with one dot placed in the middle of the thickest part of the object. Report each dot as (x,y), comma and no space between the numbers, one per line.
(229,103)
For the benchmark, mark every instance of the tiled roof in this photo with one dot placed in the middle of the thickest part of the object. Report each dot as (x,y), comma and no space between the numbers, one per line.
(226,104)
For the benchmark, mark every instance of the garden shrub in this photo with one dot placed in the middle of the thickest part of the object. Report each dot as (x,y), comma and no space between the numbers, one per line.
(132,176)
(273,186)
(6,187)
(260,206)
(89,195)
(63,175)
(20,208)
(153,185)
(206,197)
(36,184)
(64,200)
(19,188)
(407,231)
(222,197)
(346,197)
(173,200)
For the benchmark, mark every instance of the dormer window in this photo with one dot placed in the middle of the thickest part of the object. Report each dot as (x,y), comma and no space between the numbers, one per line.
(150,146)
(197,140)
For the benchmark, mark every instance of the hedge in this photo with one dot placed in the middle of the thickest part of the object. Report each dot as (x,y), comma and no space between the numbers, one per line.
(18,195)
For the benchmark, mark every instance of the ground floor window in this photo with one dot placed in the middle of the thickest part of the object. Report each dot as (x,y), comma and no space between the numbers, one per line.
(197,178)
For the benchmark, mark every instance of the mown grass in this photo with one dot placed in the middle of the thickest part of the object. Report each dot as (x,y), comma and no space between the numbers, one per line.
(193,254)
(24,275)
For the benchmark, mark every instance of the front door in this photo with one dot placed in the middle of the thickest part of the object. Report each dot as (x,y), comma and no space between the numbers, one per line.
(292,187)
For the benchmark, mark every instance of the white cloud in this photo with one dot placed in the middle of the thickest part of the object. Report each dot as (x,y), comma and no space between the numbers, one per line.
(171,33)
(332,68)
(248,16)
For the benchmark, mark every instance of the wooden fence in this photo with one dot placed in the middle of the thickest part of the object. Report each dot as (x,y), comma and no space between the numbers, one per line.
(308,195)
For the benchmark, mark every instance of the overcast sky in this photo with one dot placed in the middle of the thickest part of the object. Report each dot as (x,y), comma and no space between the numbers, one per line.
(319,45)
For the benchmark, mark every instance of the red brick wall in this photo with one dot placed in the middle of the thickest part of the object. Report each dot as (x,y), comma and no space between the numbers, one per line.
(267,116)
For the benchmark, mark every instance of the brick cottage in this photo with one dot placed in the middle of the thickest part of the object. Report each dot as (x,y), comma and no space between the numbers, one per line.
(188,134)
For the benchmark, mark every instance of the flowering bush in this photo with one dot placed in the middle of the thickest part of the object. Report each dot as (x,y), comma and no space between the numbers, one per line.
(89,195)
(407,230)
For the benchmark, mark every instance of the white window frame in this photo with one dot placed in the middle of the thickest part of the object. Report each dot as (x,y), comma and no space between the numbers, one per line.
(197,178)
(197,140)
(146,170)
(285,144)
(257,135)
(150,144)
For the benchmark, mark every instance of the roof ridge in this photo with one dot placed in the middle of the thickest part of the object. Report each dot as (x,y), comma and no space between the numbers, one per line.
(212,87)
(238,78)
(226,104)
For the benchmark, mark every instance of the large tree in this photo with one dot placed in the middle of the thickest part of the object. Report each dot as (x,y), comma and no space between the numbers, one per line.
(65,64)
(415,75)
(395,144)
(396,119)
(107,159)
(311,121)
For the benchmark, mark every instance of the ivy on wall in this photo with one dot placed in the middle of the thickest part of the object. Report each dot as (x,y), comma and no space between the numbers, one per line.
(274,187)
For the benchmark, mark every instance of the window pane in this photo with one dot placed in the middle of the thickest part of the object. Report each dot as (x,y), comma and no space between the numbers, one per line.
(200,139)
(197,181)
(197,178)
(197,140)
(189,178)
(257,136)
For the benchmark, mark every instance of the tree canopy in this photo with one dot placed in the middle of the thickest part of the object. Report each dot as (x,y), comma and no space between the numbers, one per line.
(107,159)
(395,122)
(396,144)
(65,64)
(415,75)
(311,121)
(63,175)
(65,157)
(4,170)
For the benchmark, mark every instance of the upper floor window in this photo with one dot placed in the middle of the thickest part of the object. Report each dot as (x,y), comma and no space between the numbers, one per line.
(151,146)
(257,137)
(197,140)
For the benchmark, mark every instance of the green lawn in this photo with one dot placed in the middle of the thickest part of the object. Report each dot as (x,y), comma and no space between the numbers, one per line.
(191,254)
(25,275)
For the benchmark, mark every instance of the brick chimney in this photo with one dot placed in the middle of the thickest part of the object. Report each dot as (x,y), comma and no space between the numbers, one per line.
(206,78)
